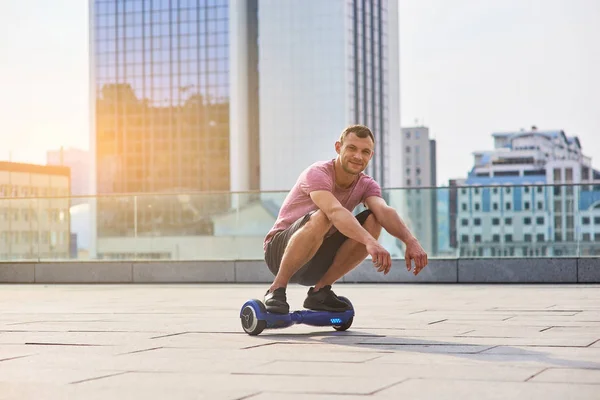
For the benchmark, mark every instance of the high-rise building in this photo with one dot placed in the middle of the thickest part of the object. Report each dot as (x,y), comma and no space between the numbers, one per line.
(535,194)
(325,65)
(419,161)
(179,103)
(173,91)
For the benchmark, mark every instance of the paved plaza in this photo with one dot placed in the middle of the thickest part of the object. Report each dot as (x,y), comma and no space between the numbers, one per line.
(408,342)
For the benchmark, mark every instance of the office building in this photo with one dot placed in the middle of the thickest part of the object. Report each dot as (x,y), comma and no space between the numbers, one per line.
(325,65)
(34,211)
(534,194)
(179,104)
(420,169)
(173,91)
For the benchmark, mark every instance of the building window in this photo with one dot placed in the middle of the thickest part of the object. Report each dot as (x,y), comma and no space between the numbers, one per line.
(597,220)
(540,237)
(527,221)
(464,206)
(495,221)
(408,135)
(526,189)
(557,174)
(477,206)
(465,222)
(508,238)
(508,221)
(507,190)
(477,238)
(540,220)
(495,190)
(465,238)
(508,206)
(540,205)
(495,206)
(569,175)
(526,205)
(587,237)
(408,149)
(477,221)
(496,238)
(527,237)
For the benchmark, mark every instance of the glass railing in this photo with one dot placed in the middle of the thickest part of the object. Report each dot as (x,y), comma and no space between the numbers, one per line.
(450,222)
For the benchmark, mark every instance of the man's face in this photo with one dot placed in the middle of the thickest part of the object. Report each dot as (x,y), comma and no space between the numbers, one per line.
(355,153)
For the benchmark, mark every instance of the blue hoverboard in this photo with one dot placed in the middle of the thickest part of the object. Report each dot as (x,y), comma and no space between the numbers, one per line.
(255,318)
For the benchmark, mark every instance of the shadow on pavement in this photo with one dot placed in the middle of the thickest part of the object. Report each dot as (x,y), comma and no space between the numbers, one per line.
(498,353)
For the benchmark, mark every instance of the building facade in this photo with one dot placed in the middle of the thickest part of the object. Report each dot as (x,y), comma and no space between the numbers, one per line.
(420,171)
(169,112)
(34,212)
(325,65)
(535,194)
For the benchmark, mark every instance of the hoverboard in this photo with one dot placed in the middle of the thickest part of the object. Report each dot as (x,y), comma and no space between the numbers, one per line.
(255,318)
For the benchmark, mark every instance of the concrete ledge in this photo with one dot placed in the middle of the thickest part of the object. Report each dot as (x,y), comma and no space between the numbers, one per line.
(588,270)
(517,270)
(78,272)
(440,271)
(17,273)
(485,270)
(252,271)
(183,271)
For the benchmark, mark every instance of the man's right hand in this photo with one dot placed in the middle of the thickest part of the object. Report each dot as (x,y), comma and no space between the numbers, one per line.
(381,257)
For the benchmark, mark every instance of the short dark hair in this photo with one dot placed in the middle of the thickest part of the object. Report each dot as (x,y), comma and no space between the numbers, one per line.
(359,130)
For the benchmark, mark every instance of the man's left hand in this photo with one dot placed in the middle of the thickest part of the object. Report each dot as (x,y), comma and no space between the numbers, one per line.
(414,252)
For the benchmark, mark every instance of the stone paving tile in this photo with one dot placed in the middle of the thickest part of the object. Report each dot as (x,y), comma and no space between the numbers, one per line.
(590,376)
(428,341)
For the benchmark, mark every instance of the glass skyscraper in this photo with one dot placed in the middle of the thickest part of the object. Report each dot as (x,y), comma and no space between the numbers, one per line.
(179,103)
(161,78)
(326,64)
(162,95)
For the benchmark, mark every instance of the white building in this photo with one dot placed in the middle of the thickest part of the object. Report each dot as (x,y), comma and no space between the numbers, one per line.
(419,161)
(535,194)
(324,65)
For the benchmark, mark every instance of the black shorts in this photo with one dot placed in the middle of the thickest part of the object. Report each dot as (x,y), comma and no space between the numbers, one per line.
(315,268)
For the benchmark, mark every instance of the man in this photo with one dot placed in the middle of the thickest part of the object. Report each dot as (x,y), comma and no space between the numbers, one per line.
(316,239)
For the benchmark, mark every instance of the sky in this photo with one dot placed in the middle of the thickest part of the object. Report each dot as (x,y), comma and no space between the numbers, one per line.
(468,68)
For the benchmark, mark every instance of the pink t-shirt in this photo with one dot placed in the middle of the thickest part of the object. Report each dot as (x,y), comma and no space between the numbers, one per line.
(321,176)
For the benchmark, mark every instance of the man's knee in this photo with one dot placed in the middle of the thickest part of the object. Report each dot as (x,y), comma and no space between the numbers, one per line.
(318,224)
(372,225)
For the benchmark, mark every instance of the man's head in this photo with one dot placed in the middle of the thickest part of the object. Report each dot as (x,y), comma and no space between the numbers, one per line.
(355,148)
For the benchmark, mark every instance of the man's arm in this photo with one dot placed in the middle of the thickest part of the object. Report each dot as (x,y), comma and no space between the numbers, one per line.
(340,217)
(389,219)
(348,225)
(393,224)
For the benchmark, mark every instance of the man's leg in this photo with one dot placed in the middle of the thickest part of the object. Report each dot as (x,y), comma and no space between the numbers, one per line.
(350,254)
(305,238)
(301,247)
(335,259)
